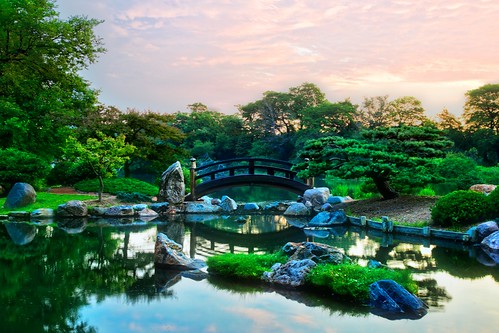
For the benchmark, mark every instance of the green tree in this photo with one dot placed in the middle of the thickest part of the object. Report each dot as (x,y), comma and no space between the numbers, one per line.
(481,109)
(408,111)
(375,112)
(331,118)
(104,155)
(41,92)
(383,154)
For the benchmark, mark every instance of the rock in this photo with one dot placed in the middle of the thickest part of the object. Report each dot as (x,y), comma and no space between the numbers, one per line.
(316,197)
(333,200)
(168,253)
(73,208)
(483,188)
(42,213)
(328,219)
(298,222)
(290,274)
(321,233)
(20,215)
(21,233)
(161,208)
(119,211)
(172,187)
(297,209)
(146,212)
(491,242)
(251,206)
(243,219)
(139,207)
(228,204)
(483,230)
(391,300)
(21,195)
(316,252)
(276,206)
(201,208)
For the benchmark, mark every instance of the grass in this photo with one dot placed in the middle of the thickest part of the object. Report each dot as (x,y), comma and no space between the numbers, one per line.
(244,266)
(115,185)
(351,281)
(46,200)
(347,281)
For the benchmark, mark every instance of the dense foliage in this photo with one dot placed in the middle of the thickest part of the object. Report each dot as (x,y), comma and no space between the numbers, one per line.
(460,208)
(19,166)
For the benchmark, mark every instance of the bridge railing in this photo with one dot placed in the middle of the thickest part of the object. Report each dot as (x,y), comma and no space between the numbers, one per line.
(241,166)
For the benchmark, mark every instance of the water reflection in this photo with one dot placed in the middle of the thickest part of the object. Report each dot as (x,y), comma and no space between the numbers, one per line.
(76,275)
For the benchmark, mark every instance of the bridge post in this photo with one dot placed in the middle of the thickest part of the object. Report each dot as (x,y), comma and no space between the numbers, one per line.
(310,180)
(193,178)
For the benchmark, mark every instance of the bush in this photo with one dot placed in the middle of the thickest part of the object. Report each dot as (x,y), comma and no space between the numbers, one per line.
(493,203)
(19,166)
(460,208)
(455,165)
(69,173)
(115,185)
(426,192)
(133,197)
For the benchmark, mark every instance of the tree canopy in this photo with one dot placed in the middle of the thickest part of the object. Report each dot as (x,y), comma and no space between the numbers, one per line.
(382,154)
(41,92)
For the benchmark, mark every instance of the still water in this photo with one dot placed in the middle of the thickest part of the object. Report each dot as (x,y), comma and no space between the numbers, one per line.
(76,276)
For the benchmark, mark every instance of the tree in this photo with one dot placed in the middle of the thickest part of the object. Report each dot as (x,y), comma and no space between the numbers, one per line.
(330,118)
(41,91)
(380,112)
(383,154)
(481,109)
(104,155)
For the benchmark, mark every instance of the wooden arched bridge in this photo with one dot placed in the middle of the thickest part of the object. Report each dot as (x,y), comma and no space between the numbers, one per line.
(244,172)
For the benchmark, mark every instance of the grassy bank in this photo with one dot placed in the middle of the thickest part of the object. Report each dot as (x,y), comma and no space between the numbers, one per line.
(47,200)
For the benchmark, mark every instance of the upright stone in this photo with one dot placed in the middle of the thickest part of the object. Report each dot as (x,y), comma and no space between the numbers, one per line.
(172,188)
(21,195)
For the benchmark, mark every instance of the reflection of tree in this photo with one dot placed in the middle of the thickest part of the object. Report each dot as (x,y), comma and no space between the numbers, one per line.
(432,294)
(44,284)
(459,263)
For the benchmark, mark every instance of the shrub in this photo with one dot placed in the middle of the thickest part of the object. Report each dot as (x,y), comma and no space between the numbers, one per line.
(351,281)
(115,185)
(460,208)
(454,165)
(244,266)
(133,197)
(19,166)
(493,203)
(69,173)
(426,192)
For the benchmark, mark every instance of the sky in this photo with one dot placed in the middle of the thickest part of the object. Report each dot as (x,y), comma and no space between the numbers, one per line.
(163,55)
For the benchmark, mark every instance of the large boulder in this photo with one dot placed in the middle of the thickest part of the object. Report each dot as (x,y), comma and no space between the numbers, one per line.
(21,195)
(391,300)
(483,230)
(317,252)
(168,254)
(119,211)
(328,219)
(491,242)
(228,204)
(172,187)
(483,188)
(290,274)
(297,209)
(316,197)
(73,208)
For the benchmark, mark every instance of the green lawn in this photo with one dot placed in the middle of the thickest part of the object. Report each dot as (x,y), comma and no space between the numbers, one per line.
(47,200)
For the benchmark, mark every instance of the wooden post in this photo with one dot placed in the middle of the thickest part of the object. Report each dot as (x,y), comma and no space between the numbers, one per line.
(310,180)
(193,178)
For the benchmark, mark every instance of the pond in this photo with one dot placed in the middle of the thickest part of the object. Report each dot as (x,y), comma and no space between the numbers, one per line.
(100,277)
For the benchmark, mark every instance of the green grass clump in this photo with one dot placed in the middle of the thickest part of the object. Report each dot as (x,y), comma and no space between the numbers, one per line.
(351,281)
(244,266)
(46,200)
(115,185)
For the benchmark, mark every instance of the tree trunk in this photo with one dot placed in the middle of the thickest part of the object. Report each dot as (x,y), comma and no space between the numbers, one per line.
(383,186)
(101,188)
(126,169)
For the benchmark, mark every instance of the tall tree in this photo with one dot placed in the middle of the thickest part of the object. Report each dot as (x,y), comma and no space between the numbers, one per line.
(375,112)
(41,91)
(408,111)
(331,118)
(481,109)
(382,154)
